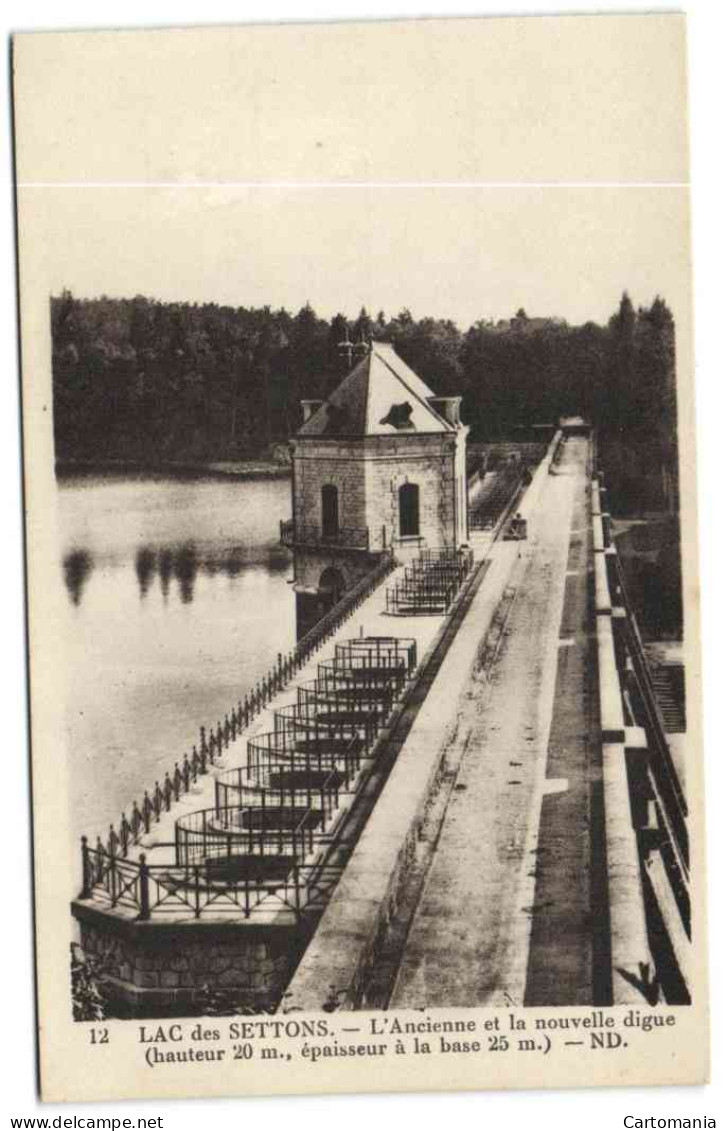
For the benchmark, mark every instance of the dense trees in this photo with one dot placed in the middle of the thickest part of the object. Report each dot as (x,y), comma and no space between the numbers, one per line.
(636,410)
(145,381)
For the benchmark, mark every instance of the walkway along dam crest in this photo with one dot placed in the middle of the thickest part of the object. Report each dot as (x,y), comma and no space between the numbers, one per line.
(456,790)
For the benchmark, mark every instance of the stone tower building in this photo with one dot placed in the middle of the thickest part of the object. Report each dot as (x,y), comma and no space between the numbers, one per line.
(379,465)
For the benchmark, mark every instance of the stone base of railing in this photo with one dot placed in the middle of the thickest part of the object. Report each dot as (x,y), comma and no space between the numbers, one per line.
(156,969)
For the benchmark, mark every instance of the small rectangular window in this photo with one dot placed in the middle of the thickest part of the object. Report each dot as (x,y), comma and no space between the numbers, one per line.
(329,511)
(409,510)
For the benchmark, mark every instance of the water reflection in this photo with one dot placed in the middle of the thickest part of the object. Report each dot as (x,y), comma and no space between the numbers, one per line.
(146,672)
(76,569)
(181,562)
(185,567)
(145,566)
(165,569)
(184,562)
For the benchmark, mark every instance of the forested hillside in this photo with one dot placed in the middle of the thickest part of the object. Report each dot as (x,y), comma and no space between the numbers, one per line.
(142,381)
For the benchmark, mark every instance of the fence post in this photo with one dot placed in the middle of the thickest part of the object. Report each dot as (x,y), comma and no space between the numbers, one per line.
(144,911)
(86,888)
(296,881)
(196,892)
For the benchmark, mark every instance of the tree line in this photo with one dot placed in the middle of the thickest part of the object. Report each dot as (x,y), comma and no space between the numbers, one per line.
(147,382)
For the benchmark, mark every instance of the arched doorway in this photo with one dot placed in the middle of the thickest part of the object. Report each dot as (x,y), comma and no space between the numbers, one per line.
(409,510)
(331,586)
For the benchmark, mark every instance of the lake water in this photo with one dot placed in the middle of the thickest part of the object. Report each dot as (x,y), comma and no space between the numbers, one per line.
(177,599)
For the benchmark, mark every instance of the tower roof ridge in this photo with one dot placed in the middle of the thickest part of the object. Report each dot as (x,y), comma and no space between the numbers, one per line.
(375,398)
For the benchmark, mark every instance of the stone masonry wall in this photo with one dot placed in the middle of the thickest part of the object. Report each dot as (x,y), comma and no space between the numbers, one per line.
(338,463)
(150,969)
(368,474)
(310,564)
(431,468)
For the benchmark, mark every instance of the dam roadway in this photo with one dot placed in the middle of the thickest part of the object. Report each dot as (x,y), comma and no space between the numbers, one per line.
(512,908)
(480,876)
(469,863)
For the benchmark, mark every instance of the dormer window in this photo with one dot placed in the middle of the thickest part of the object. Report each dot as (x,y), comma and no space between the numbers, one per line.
(399,417)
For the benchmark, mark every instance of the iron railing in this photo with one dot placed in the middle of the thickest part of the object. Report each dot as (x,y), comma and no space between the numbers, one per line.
(287,753)
(662,778)
(271,815)
(318,792)
(377,654)
(142,815)
(430,582)
(280,833)
(335,701)
(656,778)
(346,537)
(144,891)
(302,722)
(496,497)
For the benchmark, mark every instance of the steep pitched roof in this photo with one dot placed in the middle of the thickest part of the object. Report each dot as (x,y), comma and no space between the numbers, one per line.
(380,396)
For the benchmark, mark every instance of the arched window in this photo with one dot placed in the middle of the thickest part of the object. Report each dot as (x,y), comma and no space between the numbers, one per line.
(329,511)
(409,510)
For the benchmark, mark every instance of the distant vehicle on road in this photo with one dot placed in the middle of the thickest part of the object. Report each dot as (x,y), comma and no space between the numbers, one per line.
(516,529)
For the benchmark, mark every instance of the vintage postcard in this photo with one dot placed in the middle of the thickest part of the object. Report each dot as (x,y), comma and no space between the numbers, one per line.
(361,534)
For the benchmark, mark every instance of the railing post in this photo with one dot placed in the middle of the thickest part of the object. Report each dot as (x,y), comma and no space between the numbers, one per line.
(196,892)
(144,909)
(296,882)
(87,886)
(137,821)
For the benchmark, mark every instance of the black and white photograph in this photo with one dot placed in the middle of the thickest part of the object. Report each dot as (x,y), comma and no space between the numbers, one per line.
(362,584)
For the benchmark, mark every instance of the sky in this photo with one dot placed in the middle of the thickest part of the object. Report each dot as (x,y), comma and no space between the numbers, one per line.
(454,167)
(460,253)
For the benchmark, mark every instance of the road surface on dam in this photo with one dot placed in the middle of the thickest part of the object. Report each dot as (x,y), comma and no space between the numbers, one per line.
(507,910)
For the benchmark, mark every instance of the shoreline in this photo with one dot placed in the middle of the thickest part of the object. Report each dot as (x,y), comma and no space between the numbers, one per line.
(223,469)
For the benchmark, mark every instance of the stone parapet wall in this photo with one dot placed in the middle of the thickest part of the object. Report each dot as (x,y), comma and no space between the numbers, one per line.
(154,967)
